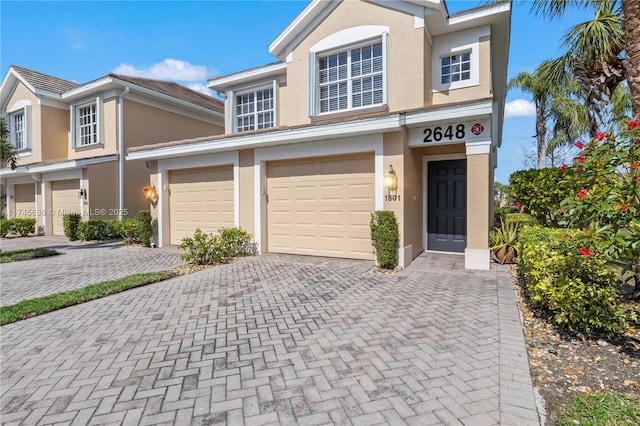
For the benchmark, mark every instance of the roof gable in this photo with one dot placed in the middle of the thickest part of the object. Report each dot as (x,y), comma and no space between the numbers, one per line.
(40,81)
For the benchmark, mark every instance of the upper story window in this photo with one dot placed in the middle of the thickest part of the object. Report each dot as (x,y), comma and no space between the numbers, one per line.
(351,79)
(18,129)
(85,124)
(255,110)
(456,68)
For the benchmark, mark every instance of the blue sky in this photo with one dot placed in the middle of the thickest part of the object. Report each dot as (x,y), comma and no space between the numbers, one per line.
(190,41)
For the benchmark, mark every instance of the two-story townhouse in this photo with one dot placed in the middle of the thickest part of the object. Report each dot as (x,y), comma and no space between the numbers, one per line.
(394,105)
(69,139)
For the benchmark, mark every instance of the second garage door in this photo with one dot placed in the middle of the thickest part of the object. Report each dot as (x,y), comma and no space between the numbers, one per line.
(200,198)
(321,206)
(64,199)
(25,200)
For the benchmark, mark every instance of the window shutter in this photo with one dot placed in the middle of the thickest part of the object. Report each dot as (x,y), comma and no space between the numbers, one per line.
(99,119)
(7,122)
(27,126)
(313,89)
(72,126)
(385,60)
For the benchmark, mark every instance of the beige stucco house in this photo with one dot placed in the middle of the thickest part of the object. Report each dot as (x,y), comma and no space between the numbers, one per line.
(70,138)
(394,105)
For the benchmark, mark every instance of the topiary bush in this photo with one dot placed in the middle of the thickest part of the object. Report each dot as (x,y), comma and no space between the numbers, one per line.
(71,221)
(145,227)
(574,284)
(209,249)
(23,226)
(385,238)
(540,192)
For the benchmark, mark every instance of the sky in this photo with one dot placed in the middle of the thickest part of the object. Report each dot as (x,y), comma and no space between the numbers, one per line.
(189,41)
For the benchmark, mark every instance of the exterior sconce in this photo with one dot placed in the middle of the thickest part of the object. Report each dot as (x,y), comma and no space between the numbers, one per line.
(150,193)
(83,193)
(391,180)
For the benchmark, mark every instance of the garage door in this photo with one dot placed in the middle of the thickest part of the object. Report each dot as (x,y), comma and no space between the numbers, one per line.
(321,206)
(200,198)
(25,200)
(64,199)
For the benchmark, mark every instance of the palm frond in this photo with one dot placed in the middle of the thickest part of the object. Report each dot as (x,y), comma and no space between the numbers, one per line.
(554,9)
(596,40)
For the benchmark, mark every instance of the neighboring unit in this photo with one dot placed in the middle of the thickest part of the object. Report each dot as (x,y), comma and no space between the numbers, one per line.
(70,137)
(393,105)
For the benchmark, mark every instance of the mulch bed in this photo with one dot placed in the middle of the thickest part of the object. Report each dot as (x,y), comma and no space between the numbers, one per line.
(565,364)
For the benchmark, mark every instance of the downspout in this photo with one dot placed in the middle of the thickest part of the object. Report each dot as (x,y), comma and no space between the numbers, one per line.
(121,152)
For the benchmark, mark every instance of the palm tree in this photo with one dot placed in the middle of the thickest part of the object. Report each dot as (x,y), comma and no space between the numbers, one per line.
(597,37)
(8,155)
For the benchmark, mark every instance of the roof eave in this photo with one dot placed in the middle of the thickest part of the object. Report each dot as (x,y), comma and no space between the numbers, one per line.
(223,83)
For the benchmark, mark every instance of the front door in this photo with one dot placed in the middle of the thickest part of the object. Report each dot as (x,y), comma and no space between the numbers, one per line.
(447,206)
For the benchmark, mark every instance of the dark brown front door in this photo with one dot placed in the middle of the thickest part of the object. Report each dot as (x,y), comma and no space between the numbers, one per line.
(447,206)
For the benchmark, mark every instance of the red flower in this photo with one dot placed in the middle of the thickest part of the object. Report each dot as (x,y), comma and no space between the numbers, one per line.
(638,178)
(581,159)
(561,210)
(563,168)
(582,193)
(579,145)
(519,206)
(584,251)
(566,235)
(625,208)
(636,166)
(600,135)
(633,124)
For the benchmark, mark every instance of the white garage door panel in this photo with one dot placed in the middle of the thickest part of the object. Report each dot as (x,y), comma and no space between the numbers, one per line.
(64,199)
(25,200)
(200,198)
(321,206)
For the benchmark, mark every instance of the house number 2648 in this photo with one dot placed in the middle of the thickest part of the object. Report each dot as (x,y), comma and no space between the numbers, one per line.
(438,133)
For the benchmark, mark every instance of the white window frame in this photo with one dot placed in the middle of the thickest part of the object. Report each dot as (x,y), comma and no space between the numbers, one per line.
(466,41)
(314,75)
(22,107)
(460,71)
(232,96)
(75,123)
(13,135)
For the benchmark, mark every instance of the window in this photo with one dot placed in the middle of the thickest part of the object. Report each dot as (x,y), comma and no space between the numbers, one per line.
(255,110)
(18,129)
(86,125)
(351,79)
(456,68)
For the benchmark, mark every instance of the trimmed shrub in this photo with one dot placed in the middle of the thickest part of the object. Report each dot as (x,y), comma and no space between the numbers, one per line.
(209,249)
(145,227)
(71,222)
(385,238)
(95,229)
(521,219)
(5,227)
(540,191)
(574,284)
(126,229)
(23,226)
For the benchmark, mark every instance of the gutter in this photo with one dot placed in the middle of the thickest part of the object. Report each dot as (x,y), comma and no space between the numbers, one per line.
(121,152)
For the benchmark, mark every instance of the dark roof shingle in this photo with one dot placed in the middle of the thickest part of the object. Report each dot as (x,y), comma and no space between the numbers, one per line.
(45,82)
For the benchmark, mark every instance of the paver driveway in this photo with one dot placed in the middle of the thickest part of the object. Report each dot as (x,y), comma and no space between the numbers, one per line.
(279,340)
(79,265)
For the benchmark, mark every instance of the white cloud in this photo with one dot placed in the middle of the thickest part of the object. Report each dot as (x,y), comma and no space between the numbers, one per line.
(199,87)
(519,108)
(169,69)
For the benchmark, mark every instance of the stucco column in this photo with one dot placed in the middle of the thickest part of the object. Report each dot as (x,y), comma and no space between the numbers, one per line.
(479,188)
(394,200)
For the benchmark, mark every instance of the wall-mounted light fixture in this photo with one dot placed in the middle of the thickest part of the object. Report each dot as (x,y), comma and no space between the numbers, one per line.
(83,193)
(391,180)
(150,193)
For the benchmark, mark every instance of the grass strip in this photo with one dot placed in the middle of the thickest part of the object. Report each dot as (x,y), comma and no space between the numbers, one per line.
(26,254)
(600,409)
(41,305)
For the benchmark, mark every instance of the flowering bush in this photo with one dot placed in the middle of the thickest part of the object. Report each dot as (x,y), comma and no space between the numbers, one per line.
(575,284)
(606,201)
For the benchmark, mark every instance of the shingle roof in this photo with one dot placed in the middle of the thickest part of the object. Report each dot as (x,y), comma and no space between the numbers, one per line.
(44,81)
(175,90)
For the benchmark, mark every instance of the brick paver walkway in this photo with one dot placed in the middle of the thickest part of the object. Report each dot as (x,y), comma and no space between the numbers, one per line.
(79,265)
(279,340)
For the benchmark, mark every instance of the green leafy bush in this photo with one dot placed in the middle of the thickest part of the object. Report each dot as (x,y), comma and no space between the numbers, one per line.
(385,238)
(5,227)
(209,249)
(126,229)
(23,226)
(540,192)
(574,284)
(145,227)
(522,219)
(95,229)
(71,222)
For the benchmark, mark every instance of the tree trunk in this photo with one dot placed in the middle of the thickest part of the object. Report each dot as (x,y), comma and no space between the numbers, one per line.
(541,134)
(631,28)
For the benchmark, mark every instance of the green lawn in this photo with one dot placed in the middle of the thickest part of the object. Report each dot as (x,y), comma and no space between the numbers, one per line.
(42,305)
(16,255)
(600,409)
